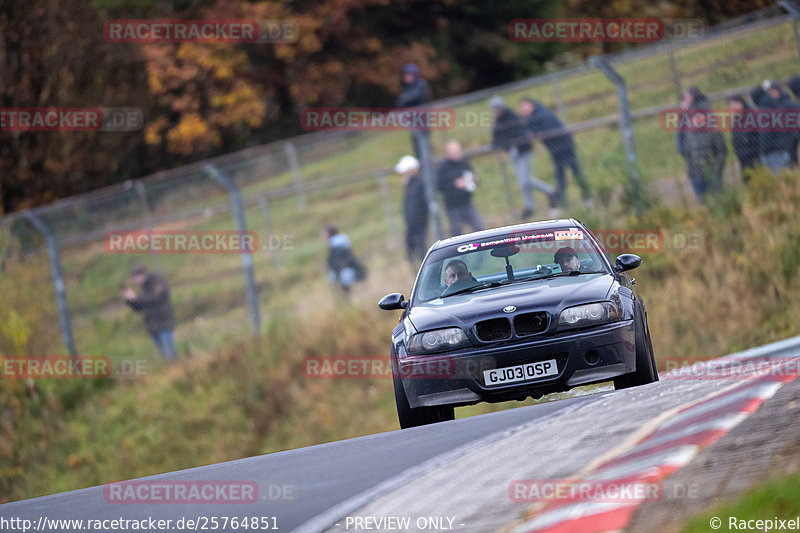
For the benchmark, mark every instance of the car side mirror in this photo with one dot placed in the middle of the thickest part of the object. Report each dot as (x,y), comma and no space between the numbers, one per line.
(628,262)
(393,301)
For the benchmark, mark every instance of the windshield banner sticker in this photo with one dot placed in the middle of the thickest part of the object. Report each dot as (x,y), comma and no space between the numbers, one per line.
(476,246)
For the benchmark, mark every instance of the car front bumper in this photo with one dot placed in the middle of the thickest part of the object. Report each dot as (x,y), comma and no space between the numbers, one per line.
(587,356)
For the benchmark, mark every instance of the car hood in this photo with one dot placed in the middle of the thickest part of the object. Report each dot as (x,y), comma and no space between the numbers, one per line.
(551,295)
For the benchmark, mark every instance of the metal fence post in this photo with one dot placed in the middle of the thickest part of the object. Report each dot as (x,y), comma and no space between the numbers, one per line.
(562,113)
(263,204)
(251,294)
(673,66)
(148,220)
(423,143)
(501,166)
(626,126)
(294,167)
(58,280)
(794,10)
(387,210)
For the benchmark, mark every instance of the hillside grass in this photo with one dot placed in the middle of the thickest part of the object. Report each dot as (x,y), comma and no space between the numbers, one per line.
(253,397)
(774,499)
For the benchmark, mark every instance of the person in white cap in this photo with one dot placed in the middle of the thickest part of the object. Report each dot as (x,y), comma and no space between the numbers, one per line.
(415,209)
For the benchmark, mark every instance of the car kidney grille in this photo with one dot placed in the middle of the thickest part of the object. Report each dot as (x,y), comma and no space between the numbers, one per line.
(530,323)
(495,329)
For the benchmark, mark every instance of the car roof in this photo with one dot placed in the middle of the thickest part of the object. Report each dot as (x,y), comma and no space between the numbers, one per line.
(505,230)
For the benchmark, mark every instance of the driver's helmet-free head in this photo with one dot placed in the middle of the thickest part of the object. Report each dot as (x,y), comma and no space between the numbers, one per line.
(564,254)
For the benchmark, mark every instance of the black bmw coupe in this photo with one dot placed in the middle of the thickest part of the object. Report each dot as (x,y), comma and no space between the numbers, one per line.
(516,312)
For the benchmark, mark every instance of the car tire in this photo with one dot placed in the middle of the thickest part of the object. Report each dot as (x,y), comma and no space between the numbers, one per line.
(419,416)
(646,370)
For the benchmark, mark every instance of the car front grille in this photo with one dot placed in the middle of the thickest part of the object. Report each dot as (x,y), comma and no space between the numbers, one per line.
(530,323)
(495,329)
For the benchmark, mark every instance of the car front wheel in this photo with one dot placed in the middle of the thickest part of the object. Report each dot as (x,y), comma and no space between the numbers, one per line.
(646,371)
(419,416)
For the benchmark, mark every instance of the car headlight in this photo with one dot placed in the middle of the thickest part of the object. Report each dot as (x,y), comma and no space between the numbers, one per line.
(581,316)
(438,340)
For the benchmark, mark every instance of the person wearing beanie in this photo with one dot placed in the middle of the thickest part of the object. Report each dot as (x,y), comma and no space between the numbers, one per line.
(567,259)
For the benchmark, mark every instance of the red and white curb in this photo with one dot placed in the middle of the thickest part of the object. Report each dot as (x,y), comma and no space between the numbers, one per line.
(667,448)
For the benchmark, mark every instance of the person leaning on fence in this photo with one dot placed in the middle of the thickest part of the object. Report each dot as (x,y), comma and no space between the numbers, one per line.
(154,301)
(415,209)
(745,143)
(703,150)
(456,181)
(509,134)
(344,268)
(539,121)
(775,146)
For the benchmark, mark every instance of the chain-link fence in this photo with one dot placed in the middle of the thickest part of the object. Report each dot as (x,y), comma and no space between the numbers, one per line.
(65,275)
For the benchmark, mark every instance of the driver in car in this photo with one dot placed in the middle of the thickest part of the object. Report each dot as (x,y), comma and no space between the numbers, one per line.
(457,276)
(567,258)
(456,271)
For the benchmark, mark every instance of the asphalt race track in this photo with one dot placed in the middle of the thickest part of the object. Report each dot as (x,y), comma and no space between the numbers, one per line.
(473,474)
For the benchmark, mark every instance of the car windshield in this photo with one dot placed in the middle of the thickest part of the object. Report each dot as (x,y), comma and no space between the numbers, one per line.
(514,258)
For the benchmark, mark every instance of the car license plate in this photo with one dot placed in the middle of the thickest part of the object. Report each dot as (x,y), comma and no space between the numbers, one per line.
(525,372)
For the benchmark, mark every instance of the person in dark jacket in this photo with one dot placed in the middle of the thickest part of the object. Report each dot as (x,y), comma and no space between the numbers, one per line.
(509,134)
(540,121)
(456,181)
(344,268)
(155,303)
(704,151)
(416,93)
(745,143)
(415,209)
(794,85)
(776,146)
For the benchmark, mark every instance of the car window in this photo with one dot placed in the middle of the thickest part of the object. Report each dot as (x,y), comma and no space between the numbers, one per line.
(532,255)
